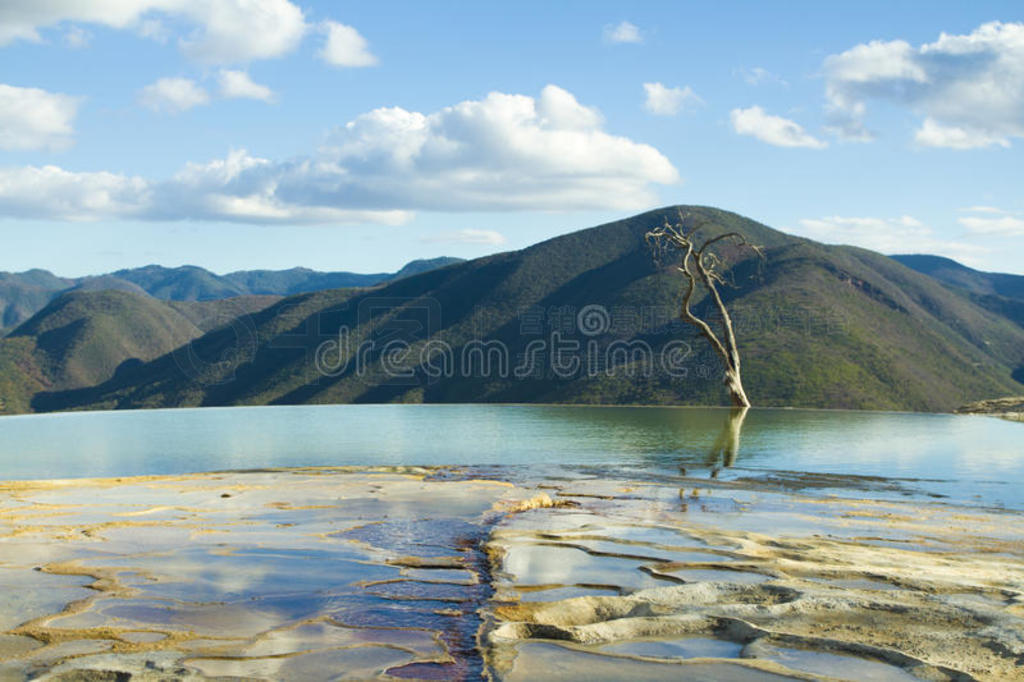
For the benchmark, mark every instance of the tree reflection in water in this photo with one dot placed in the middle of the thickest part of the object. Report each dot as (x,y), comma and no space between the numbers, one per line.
(724,450)
(726,447)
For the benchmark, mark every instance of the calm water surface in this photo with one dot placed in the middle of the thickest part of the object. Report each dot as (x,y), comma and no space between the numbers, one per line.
(976,460)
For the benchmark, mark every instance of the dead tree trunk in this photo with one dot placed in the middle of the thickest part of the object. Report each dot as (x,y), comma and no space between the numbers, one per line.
(698,264)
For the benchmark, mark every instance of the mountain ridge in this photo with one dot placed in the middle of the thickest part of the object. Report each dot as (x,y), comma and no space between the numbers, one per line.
(26,293)
(957,274)
(819,325)
(998,292)
(82,338)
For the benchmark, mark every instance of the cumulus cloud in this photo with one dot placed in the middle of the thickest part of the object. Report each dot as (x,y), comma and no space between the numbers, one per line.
(467,236)
(665,101)
(623,32)
(31,118)
(238,84)
(345,46)
(49,192)
(173,95)
(221,31)
(934,134)
(774,130)
(968,88)
(888,235)
(234,189)
(503,152)
(1003,226)
(241,30)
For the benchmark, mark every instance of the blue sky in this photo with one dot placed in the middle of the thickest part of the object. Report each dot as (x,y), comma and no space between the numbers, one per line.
(358,136)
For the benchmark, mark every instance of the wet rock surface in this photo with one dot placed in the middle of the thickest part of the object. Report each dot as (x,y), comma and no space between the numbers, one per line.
(313,574)
(755,584)
(504,574)
(1008,408)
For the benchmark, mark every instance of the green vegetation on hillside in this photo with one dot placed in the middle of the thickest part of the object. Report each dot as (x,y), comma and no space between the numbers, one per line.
(84,338)
(819,326)
(950,272)
(1001,293)
(24,294)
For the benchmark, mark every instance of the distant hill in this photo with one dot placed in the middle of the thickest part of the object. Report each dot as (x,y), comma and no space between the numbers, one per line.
(23,294)
(185,283)
(26,293)
(417,267)
(1001,293)
(820,326)
(953,273)
(83,338)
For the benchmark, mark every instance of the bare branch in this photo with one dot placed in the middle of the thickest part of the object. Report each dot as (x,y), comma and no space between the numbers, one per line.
(701,264)
(688,316)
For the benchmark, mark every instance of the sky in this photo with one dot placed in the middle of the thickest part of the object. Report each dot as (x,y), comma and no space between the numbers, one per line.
(244,134)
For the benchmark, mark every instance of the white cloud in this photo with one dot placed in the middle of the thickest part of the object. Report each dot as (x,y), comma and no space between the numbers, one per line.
(31,118)
(934,134)
(623,32)
(774,130)
(173,95)
(760,76)
(222,31)
(467,236)
(1005,226)
(77,37)
(504,152)
(241,30)
(231,189)
(50,192)
(888,235)
(345,46)
(665,101)
(983,209)
(969,89)
(238,84)
(154,30)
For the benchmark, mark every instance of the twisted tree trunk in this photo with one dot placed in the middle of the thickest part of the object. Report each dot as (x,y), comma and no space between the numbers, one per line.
(734,384)
(699,264)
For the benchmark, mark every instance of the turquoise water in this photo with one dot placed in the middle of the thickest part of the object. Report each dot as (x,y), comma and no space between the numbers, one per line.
(962,458)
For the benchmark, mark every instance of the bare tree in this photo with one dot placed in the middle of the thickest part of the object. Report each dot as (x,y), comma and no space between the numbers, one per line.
(702,266)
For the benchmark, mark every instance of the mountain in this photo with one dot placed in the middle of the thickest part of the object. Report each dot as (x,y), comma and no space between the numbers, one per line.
(417,267)
(24,294)
(185,283)
(589,317)
(975,281)
(82,338)
(1001,293)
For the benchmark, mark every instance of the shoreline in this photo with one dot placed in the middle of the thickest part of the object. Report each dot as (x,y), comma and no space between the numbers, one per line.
(1010,409)
(724,408)
(456,572)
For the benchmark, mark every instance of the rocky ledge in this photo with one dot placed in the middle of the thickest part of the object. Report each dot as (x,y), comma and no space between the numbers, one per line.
(1007,408)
